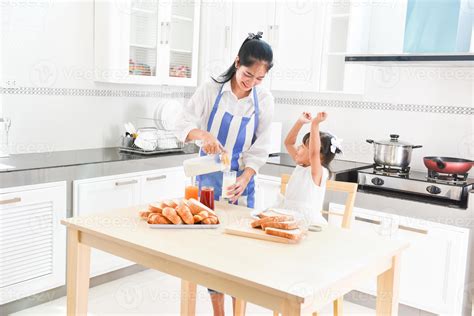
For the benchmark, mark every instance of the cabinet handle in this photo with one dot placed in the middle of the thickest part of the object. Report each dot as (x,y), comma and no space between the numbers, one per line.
(126,182)
(168,30)
(412,229)
(366,220)
(162,177)
(162,32)
(226,36)
(332,213)
(10,201)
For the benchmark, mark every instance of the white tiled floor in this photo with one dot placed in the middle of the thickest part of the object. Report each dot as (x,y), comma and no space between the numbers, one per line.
(151,292)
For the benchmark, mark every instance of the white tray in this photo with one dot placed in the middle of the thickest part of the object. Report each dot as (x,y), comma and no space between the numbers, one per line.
(183,226)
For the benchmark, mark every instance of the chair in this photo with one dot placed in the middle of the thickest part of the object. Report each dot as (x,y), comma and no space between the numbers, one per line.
(188,290)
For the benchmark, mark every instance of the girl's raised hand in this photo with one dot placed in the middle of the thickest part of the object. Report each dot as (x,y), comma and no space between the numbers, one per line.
(320,117)
(305,118)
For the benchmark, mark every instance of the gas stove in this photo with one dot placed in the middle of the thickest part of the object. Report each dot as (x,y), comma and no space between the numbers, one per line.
(450,190)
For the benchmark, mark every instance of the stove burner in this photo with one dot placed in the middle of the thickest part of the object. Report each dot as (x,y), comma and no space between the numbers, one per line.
(392,171)
(446,178)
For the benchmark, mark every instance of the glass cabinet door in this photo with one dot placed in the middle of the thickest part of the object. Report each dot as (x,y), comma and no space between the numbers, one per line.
(180,38)
(143,38)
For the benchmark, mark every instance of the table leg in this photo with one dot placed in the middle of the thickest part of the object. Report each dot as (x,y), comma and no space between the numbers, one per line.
(188,298)
(78,265)
(291,310)
(387,289)
(240,307)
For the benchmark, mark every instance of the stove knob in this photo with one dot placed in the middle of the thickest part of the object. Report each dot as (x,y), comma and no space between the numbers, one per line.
(433,189)
(377,181)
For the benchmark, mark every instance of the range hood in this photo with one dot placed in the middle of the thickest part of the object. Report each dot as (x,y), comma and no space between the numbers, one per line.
(448,60)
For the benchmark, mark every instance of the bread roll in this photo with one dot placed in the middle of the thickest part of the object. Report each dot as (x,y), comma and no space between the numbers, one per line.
(156,207)
(197,207)
(281,225)
(144,214)
(185,213)
(211,220)
(280,218)
(156,218)
(171,214)
(170,203)
(294,234)
(201,216)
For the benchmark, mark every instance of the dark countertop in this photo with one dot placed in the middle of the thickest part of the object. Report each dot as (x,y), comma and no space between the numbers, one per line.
(56,159)
(337,166)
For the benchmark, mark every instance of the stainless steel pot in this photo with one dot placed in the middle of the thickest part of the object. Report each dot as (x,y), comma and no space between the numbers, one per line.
(392,153)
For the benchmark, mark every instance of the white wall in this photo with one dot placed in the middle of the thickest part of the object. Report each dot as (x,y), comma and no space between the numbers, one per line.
(49,43)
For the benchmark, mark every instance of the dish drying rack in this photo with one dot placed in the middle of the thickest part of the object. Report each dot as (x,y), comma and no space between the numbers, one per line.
(166,142)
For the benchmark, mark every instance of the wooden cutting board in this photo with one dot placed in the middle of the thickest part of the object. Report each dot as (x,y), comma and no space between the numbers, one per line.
(247,231)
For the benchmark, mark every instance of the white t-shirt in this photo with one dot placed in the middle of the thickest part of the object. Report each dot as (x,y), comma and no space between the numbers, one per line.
(304,196)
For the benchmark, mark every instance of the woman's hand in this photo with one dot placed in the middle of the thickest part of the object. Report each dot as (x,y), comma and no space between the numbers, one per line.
(210,144)
(305,118)
(320,117)
(236,190)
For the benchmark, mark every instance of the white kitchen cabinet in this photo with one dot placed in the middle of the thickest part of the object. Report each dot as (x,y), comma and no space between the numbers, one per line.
(146,42)
(432,268)
(164,183)
(215,51)
(32,240)
(267,190)
(99,195)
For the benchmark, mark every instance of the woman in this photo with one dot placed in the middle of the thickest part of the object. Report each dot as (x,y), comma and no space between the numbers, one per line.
(229,114)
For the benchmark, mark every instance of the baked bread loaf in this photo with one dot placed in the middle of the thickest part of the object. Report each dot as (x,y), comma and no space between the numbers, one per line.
(156,218)
(185,213)
(281,225)
(156,207)
(170,213)
(144,214)
(294,234)
(280,218)
(170,203)
(197,207)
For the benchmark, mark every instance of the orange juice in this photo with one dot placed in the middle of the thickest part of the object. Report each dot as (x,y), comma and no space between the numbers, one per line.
(191,192)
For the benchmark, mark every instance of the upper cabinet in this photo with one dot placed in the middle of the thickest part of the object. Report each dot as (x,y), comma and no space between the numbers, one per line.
(306,55)
(146,41)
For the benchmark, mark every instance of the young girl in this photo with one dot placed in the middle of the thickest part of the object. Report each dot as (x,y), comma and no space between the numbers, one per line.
(307,186)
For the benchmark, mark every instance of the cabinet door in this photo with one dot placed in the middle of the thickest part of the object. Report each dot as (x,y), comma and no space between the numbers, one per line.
(215,40)
(251,17)
(433,266)
(267,192)
(162,184)
(32,240)
(96,196)
(297,55)
(179,39)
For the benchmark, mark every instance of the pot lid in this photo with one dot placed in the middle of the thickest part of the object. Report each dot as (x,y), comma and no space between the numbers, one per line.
(394,141)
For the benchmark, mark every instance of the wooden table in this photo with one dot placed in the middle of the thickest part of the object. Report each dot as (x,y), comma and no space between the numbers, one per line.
(290,279)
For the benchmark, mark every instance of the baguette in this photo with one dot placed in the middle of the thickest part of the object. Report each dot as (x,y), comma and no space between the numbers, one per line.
(281,225)
(294,234)
(156,218)
(185,213)
(156,207)
(211,220)
(280,218)
(197,207)
(144,214)
(170,213)
(170,203)
(201,216)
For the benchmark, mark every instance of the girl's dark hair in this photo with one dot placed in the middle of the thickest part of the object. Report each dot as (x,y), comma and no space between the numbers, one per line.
(253,49)
(326,155)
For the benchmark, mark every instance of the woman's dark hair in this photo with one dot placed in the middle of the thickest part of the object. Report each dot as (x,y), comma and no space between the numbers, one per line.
(326,154)
(253,49)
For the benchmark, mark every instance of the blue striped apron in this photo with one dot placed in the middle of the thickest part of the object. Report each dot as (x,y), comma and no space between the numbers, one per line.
(236,138)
